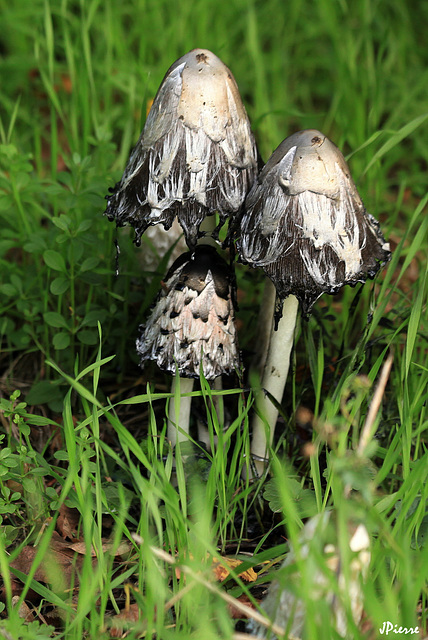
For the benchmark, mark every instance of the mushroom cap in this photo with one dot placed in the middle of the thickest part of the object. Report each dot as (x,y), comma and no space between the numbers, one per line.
(192,321)
(305,223)
(196,154)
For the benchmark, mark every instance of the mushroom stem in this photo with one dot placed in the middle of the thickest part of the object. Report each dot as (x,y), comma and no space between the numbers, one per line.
(179,409)
(218,406)
(273,380)
(264,328)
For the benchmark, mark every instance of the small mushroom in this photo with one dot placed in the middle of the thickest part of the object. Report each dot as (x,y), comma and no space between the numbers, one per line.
(306,226)
(191,327)
(324,566)
(196,155)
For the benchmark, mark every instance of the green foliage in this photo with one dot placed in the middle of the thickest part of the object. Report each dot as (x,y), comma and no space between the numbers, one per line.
(24,501)
(303,498)
(76,82)
(21,630)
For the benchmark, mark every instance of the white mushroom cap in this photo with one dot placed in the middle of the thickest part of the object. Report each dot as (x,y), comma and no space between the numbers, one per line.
(196,155)
(192,321)
(305,223)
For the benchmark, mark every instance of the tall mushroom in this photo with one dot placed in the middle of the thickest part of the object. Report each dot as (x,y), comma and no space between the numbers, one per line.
(196,155)
(191,328)
(306,226)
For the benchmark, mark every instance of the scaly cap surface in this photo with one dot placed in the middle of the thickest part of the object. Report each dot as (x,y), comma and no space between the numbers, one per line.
(305,224)
(192,321)
(196,155)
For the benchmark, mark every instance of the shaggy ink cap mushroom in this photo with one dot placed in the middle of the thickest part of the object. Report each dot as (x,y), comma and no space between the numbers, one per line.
(305,223)
(196,155)
(192,321)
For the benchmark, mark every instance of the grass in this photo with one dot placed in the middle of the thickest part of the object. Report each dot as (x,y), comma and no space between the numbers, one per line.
(83,429)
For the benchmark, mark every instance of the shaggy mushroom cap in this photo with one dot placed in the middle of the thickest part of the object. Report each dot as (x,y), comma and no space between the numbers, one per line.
(305,223)
(192,321)
(196,155)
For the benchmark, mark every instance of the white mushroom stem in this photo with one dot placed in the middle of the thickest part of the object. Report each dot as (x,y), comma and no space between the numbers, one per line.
(264,328)
(179,410)
(218,405)
(273,380)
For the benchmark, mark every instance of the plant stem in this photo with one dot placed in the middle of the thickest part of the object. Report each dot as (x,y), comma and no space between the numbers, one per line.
(273,380)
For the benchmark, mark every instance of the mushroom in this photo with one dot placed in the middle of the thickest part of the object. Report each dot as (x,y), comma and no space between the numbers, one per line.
(157,243)
(306,226)
(310,570)
(191,328)
(196,155)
